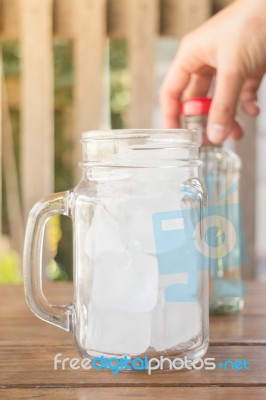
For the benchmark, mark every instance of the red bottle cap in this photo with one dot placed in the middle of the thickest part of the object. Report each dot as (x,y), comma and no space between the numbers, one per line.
(196,106)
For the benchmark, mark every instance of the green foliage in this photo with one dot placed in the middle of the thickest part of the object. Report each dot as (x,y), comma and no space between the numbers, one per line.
(9,267)
(119,81)
(11,57)
(61,267)
(63,73)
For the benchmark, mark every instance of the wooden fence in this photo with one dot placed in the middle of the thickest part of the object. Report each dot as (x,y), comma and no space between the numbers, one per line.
(87,23)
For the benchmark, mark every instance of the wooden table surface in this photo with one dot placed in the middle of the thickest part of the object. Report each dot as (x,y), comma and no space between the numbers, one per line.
(28,346)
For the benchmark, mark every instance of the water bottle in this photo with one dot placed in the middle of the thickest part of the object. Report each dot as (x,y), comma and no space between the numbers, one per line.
(224,233)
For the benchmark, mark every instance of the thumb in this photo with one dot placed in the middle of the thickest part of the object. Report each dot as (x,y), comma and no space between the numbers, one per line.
(223,108)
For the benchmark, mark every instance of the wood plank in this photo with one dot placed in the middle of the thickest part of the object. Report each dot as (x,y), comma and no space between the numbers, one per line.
(224,330)
(209,393)
(63,21)
(244,329)
(36,101)
(238,329)
(10,20)
(15,311)
(89,45)
(117,18)
(28,345)
(32,331)
(142,31)
(178,17)
(31,366)
(1,15)
(13,87)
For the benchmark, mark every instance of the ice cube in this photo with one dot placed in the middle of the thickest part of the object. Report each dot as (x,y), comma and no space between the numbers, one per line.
(126,281)
(174,323)
(140,230)
(104,233)
(118,223)
(117,332)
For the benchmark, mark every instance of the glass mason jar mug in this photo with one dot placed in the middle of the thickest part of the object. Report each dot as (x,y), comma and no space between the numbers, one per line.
(140,286)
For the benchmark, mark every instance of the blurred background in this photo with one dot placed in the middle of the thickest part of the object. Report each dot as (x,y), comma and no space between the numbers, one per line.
(73,65)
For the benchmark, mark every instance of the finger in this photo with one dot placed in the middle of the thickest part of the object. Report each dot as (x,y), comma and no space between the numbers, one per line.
(251,108)
(237,130)
(199,84)
(177,79)
(223,107)
(249,97)
(171,92)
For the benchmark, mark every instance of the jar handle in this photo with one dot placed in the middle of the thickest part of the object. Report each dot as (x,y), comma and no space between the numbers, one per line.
(58,315)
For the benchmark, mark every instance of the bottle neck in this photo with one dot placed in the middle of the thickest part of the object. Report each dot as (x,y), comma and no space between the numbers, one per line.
(198,123)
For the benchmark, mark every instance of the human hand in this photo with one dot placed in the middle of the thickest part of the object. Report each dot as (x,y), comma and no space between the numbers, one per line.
(230,47)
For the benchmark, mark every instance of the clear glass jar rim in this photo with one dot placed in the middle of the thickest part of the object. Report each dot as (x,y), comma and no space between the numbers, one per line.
(181,136)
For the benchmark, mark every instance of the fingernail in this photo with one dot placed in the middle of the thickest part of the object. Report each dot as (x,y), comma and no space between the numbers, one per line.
(218,133)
